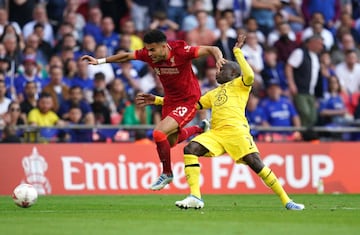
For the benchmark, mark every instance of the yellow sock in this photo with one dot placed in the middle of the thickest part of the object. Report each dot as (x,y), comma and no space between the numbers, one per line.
(192,173)
(272,182)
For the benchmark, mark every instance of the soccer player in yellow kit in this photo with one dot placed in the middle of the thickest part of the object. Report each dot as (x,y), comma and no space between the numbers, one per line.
(229,133)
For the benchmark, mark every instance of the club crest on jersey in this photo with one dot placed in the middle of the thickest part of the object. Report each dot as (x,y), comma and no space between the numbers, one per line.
(157,71)
(221,97)
(187,48)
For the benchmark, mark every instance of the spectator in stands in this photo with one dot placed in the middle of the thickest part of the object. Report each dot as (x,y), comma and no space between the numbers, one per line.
(274,70)
(161,22)
(70,71)
(255,114)
(118,10)
(4,20)
(263,12)
(119,95)
(25,7)
(83,80)
(225,42)
(30,74)
(241,10)
(55,11)
(125,45)
(75,18)
(347,24)
(76,97)
(332,110)
(284,45)
(135,114)
(14,115)
(346,42)
(129,76)
(279,112)
(100,108)
(43,45)
(30,97)
(68,42)
(13,51)
(176,11)
(317,26)
(291,12)
(201,35)
(41,56)
(106,68)
(40,16)
(128,28)
(348,73)
(4,101)
(141,12)
(93,23)
(109,37)
(77,135)
(190,22)
(9,135)
(281,27)
(251,25)
(43,115)
(302,72)
(330,11)
(56,87)
(225,24)
(100,84)
(88,45)
(10,29)
(326,71)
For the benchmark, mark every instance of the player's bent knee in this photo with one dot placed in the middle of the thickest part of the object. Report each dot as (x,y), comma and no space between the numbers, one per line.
(195,148)
(254,161)
(159,136)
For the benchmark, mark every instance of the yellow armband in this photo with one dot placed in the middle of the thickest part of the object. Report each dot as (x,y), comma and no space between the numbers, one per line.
(159,100)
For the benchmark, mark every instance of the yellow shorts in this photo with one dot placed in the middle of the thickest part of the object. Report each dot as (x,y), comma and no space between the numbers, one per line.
(236,142)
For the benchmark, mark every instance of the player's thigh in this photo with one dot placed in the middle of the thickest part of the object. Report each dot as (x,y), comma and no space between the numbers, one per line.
(212,142)
(182,114)
(240,145)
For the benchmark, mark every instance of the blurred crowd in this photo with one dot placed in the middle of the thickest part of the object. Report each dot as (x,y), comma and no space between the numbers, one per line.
(305,55)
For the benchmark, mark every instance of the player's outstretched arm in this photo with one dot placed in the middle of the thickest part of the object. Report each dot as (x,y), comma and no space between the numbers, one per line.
(117,58)
(148,99)
(215,52)
(247,72)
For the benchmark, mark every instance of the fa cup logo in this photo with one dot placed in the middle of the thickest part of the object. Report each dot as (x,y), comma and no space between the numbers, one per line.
(34,167)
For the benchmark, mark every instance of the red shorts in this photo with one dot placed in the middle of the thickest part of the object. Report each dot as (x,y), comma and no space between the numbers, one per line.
(183,113)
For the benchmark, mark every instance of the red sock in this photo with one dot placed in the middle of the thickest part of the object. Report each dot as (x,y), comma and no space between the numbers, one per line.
(185,133)
(163,149)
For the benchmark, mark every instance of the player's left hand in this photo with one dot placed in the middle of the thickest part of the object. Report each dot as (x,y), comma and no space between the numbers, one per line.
(240,40)
(144,99)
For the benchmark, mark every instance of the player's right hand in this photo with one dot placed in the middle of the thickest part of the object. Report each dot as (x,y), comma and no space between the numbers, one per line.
(142,99)
(90,59)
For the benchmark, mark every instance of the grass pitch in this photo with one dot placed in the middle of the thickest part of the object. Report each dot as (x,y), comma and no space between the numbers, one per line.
(157,214)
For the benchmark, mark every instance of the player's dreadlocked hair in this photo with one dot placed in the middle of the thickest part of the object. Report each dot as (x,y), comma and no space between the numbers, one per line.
(154,36)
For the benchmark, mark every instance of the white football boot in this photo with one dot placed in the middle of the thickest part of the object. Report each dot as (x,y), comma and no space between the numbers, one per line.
(190,202)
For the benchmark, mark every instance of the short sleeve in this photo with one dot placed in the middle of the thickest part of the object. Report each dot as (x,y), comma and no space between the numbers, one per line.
(296,57)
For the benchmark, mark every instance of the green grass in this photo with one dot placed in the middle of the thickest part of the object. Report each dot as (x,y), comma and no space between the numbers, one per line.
(157,214)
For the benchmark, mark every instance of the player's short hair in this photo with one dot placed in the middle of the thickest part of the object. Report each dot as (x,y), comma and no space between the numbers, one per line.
(154,36)
(235,67)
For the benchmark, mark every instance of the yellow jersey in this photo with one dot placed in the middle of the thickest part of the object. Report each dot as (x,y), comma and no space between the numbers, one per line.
(228,101)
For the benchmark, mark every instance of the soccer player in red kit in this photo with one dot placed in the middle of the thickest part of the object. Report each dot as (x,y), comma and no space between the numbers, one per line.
(172,62)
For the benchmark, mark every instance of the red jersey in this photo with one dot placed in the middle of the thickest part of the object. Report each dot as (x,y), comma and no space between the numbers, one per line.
(175,73)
